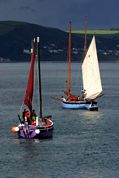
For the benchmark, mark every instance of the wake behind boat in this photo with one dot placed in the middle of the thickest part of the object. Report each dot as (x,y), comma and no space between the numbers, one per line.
(92,87)
(32,125)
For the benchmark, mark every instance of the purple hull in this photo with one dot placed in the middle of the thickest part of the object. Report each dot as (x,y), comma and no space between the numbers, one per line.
(30,132)
(27,131)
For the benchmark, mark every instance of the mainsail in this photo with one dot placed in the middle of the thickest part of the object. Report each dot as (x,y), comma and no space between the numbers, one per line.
(30,84)
(90,72)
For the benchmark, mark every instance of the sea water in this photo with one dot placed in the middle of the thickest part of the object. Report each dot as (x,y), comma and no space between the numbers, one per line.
(85,144)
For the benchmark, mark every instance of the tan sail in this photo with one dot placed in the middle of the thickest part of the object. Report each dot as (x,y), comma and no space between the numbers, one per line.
(90,72)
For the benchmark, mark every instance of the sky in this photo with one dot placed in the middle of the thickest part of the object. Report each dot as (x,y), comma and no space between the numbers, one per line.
(99,14)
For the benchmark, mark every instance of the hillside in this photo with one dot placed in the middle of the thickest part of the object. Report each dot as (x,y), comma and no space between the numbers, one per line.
(15,41)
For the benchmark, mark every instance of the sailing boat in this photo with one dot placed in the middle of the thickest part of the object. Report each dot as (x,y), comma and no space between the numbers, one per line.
(33,126)
(92,87)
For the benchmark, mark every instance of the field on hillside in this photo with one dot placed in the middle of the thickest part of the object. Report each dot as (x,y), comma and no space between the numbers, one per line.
(98,32)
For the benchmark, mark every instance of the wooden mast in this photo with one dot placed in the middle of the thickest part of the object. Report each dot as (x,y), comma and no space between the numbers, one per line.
(39,76)
(85,37)
(69,62)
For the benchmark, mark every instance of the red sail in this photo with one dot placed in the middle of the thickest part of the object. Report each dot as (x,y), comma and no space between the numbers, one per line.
(30,84)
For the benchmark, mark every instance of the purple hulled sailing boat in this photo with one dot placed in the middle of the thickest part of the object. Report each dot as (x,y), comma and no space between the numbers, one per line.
(32,125)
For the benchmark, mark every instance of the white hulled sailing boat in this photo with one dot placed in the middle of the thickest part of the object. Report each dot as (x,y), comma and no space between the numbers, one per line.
(92,86)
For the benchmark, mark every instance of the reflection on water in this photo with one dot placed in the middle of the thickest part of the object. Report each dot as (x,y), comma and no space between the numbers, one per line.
(93,115)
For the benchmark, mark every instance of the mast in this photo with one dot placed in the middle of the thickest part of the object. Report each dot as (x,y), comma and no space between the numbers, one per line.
(85,45)
(39,76)
(85,36)
(69,62)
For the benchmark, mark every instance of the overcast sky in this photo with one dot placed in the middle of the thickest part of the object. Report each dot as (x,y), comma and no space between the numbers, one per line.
(56,13)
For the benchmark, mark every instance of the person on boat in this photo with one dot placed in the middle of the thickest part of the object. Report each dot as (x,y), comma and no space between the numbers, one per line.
(26,117)
(83,91)
(83,94)
(33,117)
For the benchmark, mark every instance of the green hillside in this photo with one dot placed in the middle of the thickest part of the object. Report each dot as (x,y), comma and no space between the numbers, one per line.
(97,32)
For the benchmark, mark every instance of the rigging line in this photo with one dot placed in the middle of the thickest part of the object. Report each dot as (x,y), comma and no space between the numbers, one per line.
(84,48)
(21,108)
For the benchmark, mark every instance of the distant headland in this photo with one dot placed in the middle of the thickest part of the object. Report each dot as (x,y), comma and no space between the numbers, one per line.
(15,38)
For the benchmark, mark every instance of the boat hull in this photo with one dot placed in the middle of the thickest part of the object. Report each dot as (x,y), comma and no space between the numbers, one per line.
(80,105)
(39,132)
(45,133)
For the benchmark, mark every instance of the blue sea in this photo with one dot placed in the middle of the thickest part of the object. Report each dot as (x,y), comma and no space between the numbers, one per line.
(85,144)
